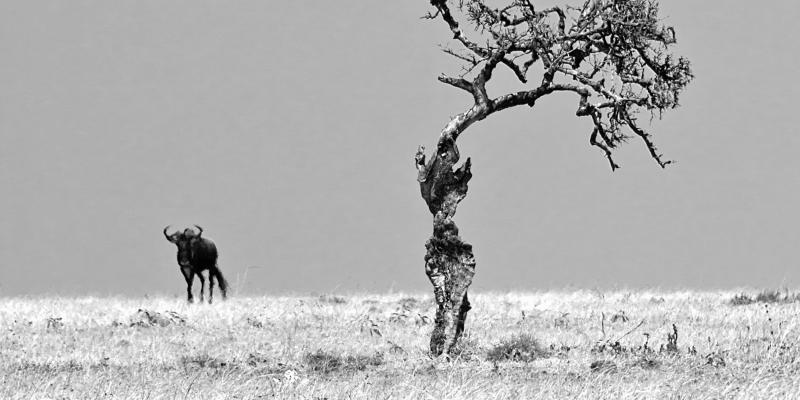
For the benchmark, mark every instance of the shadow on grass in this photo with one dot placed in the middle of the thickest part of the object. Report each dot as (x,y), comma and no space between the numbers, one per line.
(325,362)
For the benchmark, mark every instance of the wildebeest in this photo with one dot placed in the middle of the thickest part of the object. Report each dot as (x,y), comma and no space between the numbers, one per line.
(195,255)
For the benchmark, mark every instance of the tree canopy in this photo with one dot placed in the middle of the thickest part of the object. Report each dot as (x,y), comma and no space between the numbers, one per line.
(613,54)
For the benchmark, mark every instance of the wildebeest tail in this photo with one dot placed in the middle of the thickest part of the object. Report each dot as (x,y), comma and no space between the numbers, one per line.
(223,284)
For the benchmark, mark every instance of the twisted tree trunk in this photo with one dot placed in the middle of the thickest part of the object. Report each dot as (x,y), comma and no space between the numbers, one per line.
(449,262)
(612,54)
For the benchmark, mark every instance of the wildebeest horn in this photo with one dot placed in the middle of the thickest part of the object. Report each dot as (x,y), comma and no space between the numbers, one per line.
(200,229)
(165,232)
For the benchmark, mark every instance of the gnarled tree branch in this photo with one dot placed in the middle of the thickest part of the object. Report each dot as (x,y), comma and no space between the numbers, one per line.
(615,52)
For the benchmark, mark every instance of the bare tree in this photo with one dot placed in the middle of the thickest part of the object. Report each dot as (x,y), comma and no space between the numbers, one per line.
(612,54)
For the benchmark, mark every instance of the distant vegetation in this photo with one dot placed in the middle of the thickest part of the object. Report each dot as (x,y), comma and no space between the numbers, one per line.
(767,296)
(557,345)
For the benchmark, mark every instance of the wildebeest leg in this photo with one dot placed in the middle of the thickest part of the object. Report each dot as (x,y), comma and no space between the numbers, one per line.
(188,274)
(202,286)
(210,286)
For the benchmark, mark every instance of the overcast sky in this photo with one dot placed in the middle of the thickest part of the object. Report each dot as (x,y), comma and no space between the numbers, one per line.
(288,129)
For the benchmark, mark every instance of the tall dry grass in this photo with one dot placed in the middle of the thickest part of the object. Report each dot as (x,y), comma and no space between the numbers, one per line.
(548,345)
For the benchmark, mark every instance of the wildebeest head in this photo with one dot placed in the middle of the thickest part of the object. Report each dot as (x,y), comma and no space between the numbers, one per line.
(187,235)
(184,241)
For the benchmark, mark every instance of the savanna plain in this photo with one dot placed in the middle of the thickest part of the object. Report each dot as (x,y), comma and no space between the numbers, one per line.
(539,345)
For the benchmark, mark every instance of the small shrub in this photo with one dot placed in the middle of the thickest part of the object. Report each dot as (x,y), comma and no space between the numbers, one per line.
(329,298)
(325,362)
(715,359)
(741,300)
(672,341)
(522,347)
(608,346)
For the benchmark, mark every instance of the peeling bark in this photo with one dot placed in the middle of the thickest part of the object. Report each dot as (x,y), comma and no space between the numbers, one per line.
(449,262)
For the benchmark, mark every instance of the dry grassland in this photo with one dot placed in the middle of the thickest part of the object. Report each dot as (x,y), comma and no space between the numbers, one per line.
(549,345)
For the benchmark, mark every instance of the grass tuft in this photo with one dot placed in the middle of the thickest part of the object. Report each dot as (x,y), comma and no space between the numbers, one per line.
(522,347)
(466,349)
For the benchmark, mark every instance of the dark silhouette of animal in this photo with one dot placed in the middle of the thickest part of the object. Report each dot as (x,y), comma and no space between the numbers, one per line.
(195,255)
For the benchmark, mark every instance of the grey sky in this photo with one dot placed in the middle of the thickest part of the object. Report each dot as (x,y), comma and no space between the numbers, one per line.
(287,130)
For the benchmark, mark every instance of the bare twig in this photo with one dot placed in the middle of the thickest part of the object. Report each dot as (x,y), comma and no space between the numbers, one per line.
(630,331)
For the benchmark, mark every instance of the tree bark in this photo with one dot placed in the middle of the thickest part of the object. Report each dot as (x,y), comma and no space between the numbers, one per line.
(449,262)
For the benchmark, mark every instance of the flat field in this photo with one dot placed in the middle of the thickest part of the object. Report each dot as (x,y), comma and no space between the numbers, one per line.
(545,345)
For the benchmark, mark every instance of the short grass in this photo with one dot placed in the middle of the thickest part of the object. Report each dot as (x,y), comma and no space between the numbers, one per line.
(548,345)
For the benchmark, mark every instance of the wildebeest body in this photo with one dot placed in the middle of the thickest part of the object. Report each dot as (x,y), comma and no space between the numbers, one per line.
(195,255)
(203,254)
